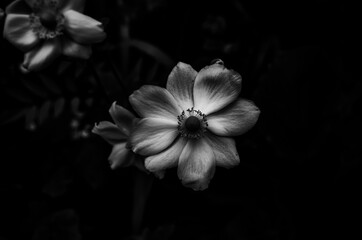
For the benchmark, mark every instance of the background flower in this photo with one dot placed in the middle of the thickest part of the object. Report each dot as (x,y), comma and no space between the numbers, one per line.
(117,135)
(188,124)
(45,29)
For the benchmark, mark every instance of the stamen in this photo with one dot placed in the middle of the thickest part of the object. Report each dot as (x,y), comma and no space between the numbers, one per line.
(46,21)
(192,123)
(46,32)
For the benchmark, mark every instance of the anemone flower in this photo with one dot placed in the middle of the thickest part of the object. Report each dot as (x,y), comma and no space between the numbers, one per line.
(117,135)
(45,29)
(189,124)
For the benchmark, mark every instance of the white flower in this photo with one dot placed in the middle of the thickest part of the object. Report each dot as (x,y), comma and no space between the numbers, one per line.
(45,29)
(117,135)
(189,124)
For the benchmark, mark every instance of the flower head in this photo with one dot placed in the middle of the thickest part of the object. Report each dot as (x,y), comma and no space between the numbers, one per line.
(117,135)
(189,124)
(45,29)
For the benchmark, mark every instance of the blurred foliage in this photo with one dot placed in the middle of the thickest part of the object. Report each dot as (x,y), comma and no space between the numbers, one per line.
(300,166)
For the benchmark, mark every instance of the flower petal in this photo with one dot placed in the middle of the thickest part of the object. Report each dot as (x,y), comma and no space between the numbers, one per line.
(215,87)
(17,30)
(167,158)
(235,119)
(18,7)
(83,29)
(42,56)
(180,84)
(76,5)
(76,50)
(120,156)
(155,102)
(196,165)
(122,117)
(109,132)
(152,135)
(224,150)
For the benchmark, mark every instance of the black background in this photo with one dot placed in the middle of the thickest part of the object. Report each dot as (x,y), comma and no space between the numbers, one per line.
(300,170)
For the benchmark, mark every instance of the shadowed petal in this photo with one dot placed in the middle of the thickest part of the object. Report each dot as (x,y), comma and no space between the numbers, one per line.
(196,164)
(120,156)
(32,3)
(18,7)
(235,119)
(155,102)
(42,56)
(215,87)
(224,150)
(83,29)
(122,117)
(167,158)
(76,50)
(109,132)
(76,5)
(17,30)
(152,135)
(180,84)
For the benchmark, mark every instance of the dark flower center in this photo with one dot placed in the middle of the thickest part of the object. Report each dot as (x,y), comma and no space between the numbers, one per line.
(48,19)
(192,124)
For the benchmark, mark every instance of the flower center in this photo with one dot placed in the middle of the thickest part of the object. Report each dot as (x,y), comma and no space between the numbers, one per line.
(48,19)
(192,123)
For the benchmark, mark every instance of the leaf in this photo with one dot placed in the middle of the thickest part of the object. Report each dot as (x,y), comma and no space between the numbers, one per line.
(50,84)
(134,76)
(152,72)
(35,88)
(69,84)
(59,182)
(19,95)
(44,112)
(10,116)
(153,51)
(63,67)
(75,102)
(30,115)
(112,87)
(58,106)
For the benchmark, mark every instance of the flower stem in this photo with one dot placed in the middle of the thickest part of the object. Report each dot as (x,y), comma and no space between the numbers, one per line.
(141,190)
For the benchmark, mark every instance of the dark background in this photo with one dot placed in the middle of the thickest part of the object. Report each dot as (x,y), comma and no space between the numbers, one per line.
(300,170)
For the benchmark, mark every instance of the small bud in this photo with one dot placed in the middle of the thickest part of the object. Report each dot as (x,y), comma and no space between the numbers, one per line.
(217,61)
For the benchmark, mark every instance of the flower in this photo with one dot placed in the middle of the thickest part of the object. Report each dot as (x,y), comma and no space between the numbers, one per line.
(117,135)
(189,124)
(45,29)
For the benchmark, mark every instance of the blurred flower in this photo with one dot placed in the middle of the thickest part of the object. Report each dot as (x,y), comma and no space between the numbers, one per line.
(45,29)
(117,135)
(189,124)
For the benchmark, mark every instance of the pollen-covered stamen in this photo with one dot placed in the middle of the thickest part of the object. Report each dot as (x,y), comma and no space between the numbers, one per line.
(192,123)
